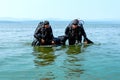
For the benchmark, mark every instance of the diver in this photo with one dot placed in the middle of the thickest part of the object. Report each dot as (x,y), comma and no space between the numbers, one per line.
(74,32)
(43,34)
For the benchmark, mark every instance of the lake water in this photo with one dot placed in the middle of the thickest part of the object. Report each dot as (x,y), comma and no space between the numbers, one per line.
(20,61)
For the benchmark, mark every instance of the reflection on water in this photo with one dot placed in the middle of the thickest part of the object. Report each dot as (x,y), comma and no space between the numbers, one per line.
(97,62)
(74,49)
(44,56)
(73,62)
(66,66)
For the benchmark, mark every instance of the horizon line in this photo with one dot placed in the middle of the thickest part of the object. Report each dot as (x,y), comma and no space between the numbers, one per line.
(51,19)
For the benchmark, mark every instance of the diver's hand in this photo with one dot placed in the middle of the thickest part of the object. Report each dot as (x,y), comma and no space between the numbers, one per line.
(42,41)
(53,42)
(85,42)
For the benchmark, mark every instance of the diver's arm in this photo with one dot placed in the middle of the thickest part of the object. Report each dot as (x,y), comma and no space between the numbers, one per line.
(37,34)
(67,31)
(86,40)
(51,33)
(83,32)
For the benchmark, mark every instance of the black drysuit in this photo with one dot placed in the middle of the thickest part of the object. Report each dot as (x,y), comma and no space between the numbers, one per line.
(75,35)
(43,33)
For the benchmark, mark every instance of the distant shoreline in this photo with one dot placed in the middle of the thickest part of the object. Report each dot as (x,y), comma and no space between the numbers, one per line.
(37,21)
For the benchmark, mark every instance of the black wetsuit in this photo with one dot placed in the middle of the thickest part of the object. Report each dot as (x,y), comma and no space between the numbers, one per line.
(43,33)
(75,35)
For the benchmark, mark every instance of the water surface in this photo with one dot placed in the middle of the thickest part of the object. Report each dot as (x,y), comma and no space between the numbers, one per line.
(20,61)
